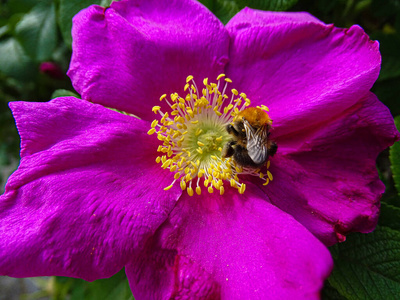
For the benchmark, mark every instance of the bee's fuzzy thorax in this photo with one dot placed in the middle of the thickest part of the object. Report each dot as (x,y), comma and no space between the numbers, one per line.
(256,116)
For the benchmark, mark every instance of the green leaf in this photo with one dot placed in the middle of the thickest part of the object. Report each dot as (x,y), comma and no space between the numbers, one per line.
(37,32)
(23,6)
(274,5)
(14,62)
(392,200)
(395,158)
(63,93)
(385,9)
(208,3)
(226,9)
(330,293)
(4,30)
(116,287)
(397,23)
(388,92)
(67,10)
(390,67)
(390,50)
(367,265)
(106,3)
(390,216)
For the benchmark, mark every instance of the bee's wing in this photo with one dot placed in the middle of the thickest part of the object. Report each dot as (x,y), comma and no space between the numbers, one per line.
(256,140)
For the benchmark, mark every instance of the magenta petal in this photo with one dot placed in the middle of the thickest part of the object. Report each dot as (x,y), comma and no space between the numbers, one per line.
(130,54)
(231,247)
(303,70)
(86,195)
(326,177)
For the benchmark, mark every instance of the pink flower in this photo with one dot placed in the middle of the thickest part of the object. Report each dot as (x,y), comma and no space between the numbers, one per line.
(51,69)
(88,197)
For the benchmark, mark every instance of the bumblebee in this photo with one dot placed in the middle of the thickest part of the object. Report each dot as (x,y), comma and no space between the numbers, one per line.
(250,145)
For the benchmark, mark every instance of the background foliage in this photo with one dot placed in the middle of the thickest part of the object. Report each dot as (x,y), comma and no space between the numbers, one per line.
(35,49)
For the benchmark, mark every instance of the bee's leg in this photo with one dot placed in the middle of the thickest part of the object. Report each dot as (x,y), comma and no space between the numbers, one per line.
(272,148)
(232,130)
(228,149)
(236,130)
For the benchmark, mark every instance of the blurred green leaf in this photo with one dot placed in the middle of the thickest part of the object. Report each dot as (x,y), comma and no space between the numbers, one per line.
(63,93)
(389,45)
(395,158)
(397,23)
(386,8)
(388,92)
(226,9)
(391,199)
(4,159)
(115,287)
(208,3)
(106,3)
(390,216)
(13,60)
(13,21)
(390,67)
(366,265)
(3,30)
(274,5)
(9,141)
(330,293)
(37,32)
(23,6)
(326,6)
(67,10)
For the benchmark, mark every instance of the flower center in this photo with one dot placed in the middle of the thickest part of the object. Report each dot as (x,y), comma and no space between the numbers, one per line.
(194,134)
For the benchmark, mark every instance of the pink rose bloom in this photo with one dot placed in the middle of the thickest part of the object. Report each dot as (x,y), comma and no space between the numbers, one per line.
(90,196)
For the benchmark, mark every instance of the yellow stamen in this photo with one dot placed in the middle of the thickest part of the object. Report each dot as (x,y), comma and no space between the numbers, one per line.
(169,187)
(198,190)
(242,188)
(221,190)
(154,123)
(151,131)
(155,109)
(193,133)
(183,185)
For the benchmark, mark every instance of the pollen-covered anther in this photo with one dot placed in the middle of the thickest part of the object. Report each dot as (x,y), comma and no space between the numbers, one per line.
(193,134)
